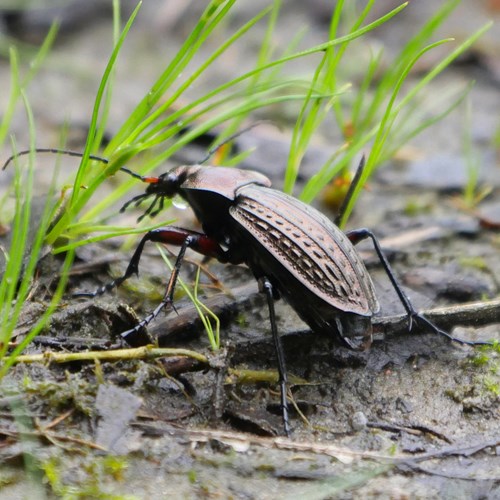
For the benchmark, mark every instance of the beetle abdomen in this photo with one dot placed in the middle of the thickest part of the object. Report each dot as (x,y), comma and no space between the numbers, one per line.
(309,245)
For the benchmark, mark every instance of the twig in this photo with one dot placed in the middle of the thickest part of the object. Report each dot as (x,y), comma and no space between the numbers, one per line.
(178,361)
(50,436)
(243,440)
(146,352)
(57,420)
(458,450)
(471,314)
(346,455)
(410,429)
(435,472)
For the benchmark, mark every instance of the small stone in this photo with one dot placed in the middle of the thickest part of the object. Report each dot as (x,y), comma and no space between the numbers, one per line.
(359,421)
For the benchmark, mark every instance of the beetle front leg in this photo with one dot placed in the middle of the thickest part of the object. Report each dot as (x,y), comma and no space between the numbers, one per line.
(199,242)
(267,288)
(168,297)
(358,235)
(184,238)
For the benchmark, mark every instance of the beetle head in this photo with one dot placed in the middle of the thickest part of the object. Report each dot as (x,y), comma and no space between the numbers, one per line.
(164,186)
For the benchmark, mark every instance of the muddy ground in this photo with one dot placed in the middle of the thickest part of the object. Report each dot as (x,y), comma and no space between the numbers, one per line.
(414,417)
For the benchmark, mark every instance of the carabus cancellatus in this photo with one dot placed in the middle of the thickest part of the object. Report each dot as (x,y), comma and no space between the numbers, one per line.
(293,250)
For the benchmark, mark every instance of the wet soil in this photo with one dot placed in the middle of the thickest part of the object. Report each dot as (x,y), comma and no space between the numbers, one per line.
(416,416)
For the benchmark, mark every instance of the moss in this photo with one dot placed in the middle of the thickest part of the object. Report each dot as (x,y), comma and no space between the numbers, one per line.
(8,477)
(74,392)
(480,359)
(474,262)
(192,476)
(414,207)
(93,477)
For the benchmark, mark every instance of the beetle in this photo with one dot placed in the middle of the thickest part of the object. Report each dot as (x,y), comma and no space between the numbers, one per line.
(292,249)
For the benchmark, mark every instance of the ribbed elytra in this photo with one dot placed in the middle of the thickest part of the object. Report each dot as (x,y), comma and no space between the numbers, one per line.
(309,245)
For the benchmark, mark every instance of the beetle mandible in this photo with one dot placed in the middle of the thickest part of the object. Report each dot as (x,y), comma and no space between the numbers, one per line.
(292,249)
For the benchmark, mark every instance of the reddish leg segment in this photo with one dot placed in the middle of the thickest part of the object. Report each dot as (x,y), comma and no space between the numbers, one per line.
(199,242)
(184,238)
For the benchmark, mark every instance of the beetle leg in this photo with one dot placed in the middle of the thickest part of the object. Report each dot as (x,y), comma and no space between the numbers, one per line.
(350,192)
(135,200)
(267,288)
(199,242)
(184,238)
(190,240)
(358,235)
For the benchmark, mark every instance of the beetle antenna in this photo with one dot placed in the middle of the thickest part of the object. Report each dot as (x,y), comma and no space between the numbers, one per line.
(67,152)
(229,139)
(350,191)
(210,153)
(132,173)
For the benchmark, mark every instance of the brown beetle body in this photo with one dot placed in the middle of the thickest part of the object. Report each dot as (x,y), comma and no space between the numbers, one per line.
(306,257)
(292,249)
(309,261)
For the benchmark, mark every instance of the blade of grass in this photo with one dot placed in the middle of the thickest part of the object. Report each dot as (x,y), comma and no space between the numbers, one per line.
(131,150)
(42,322)
(77,199)
(384,129)
(137,120)
(263,56)
(160,158)
(17,279)
(18,84)
(108,233)
(196,74)
(201,309)
(379,132)
(471,158)
(336,56)
(324,77)
(406,54)
(403,137)
(106,106)
(318,48)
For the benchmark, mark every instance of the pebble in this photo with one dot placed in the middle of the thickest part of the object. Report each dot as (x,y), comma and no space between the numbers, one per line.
(359,421)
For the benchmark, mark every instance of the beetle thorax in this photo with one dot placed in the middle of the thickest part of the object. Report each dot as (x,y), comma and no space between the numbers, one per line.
(212,210)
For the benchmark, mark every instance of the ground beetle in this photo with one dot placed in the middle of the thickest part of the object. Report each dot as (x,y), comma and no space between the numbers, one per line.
(293,250)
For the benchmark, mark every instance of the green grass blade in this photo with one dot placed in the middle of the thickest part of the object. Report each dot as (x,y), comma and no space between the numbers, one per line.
(189,81)
(23,256)
(137,122)
(77,198)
